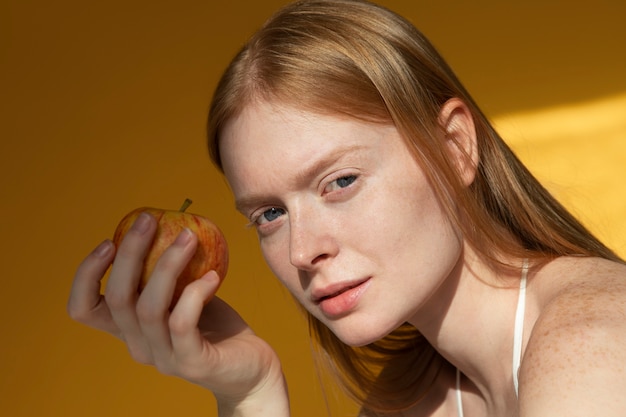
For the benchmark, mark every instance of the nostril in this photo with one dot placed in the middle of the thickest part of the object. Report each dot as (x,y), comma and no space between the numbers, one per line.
(319,258)
(306,261)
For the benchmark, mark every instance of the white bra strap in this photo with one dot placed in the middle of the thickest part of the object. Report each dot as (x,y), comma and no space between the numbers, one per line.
(519,326)
(459,399)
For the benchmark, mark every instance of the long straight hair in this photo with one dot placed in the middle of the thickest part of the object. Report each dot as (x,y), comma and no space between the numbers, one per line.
(358,59)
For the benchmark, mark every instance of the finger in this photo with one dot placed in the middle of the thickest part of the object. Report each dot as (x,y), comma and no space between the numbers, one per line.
(86,304)
(183,322)
(156,297)
(121,292)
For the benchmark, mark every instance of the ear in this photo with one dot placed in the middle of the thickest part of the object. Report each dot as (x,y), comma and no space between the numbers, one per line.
(457,124)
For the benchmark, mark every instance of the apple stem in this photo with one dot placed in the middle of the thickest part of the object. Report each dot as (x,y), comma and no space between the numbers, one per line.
(185,205)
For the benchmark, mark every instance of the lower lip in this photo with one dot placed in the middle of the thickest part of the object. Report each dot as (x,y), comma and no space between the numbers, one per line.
(343,303)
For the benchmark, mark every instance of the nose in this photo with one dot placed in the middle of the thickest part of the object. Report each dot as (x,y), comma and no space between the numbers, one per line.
(311,239)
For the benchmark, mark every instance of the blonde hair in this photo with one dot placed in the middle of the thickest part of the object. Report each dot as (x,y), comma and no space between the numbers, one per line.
(359,59)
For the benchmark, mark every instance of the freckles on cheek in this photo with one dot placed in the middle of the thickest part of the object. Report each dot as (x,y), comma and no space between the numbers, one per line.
(277,259)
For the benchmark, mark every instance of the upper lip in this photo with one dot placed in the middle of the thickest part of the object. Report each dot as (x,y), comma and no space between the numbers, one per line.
(319,294)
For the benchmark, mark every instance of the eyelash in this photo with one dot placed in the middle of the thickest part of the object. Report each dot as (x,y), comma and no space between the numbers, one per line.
(351,178)
(254,220)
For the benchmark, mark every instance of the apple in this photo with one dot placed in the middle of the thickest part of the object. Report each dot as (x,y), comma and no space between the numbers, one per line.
(211,251)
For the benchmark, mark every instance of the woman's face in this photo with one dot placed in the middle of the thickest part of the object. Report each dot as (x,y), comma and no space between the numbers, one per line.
(345,216)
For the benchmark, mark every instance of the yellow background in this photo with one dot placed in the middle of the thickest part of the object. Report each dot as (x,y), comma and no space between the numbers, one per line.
(103,105)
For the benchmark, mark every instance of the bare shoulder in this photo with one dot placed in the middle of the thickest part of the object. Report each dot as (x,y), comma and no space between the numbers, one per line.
(575,359)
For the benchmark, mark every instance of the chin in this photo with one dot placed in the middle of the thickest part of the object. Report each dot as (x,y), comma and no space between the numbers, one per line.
(359,340)
(361,334)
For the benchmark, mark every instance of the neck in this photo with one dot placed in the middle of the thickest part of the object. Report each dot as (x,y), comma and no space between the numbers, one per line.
(470,321)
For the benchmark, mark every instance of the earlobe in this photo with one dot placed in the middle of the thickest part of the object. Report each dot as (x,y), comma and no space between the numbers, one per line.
(460,138)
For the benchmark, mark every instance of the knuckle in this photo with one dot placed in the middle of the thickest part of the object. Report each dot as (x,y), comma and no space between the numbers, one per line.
(118,299)
(85,267)
(166,368)
(193,290)
(77,314)
(179,325)
(140,356)
(149,312)
(192,372)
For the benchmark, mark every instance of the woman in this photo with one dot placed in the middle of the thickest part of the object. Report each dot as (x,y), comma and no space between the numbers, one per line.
(439,277)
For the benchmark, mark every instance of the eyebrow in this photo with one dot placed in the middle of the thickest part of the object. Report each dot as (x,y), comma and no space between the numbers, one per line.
(303,176)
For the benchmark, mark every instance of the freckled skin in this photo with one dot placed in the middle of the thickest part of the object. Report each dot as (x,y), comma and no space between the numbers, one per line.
(577,350)
(316,230)
(316,234)
(211,252)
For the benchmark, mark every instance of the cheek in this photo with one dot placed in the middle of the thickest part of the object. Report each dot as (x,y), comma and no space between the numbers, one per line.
(276,254)
(409,220)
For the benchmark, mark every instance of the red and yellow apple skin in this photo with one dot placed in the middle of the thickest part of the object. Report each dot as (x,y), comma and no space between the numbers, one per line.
(211,251)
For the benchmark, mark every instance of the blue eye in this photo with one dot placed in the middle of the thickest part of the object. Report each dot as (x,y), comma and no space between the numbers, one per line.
(269,215)
(341,182)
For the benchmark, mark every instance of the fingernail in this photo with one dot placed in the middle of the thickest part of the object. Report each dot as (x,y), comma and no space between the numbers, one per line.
(183,237)
(211,276)
(142,223)
(103,249)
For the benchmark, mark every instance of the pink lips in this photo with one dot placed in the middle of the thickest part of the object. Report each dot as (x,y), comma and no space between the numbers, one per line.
(337,300)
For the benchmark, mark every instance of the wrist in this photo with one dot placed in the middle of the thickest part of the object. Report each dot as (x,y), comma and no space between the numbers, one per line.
(269,399)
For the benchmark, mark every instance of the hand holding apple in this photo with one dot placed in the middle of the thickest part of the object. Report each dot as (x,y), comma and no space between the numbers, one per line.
(211,252)
(209,345)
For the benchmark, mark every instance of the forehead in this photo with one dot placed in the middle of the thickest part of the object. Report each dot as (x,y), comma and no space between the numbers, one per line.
(266,130)
(269,139)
